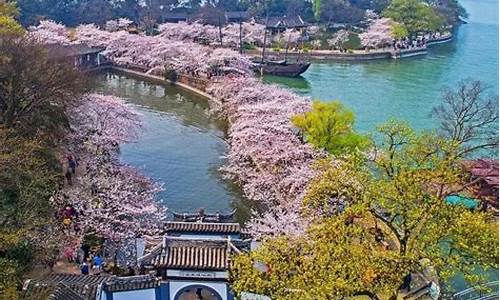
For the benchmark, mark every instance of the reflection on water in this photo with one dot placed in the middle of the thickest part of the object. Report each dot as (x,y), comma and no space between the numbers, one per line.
(181,146)
(299,84)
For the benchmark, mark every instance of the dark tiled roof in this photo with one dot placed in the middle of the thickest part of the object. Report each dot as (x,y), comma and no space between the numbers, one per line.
(214,218)
(70,50)
(194,255)
(284,22)
(64,292)
(83,285)
(236,15)
(176,16)
(202,227)
(485,169)
(116,284)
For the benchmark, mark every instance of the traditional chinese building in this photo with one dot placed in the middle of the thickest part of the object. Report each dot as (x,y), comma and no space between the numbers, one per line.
(81,55)
(280,24)
(191,262)
(484,175)
(195,256)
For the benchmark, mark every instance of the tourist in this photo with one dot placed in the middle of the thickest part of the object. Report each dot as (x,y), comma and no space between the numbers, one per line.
(406,283)
(97,263)
(68,176)
(69,253)
(72,163)
(85,268)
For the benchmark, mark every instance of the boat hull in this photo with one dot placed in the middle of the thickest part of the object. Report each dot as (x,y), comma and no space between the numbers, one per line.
(288,70)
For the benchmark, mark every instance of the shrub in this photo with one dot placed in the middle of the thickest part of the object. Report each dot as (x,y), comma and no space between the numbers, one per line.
(353,42)
(170,74)
(329,126)
(247,46)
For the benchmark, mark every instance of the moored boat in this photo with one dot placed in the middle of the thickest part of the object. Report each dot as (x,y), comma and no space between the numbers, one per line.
(280,68)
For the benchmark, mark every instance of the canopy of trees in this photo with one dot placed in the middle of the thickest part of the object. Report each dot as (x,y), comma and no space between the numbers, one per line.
(73,12)
(415,15)
(329,126)
(35,90)
(8,22)
(379,217)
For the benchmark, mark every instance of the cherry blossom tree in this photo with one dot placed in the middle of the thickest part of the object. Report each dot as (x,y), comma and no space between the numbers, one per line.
(50,32)
(251,33)
(338,38)
(266,157)
(114,200)
(379,34)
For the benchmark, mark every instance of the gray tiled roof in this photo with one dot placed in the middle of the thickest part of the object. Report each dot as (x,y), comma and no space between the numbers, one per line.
(83,285)
(191,227)
(284,22)
(64,292)
(56,50)
(194,255)
(116,284)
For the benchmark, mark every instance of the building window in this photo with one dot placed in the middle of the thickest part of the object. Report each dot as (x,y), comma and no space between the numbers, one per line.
(197,292)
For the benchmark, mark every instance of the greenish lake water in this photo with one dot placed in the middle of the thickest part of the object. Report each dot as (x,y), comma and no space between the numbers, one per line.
(180,146)
(408,88)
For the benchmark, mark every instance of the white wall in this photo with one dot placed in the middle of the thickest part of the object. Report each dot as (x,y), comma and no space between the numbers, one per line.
(148,294)
(177,285)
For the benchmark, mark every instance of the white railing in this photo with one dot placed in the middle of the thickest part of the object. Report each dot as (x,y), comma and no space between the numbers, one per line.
(482,292)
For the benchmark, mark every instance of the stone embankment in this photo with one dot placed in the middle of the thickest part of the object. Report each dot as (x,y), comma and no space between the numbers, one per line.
(352,55)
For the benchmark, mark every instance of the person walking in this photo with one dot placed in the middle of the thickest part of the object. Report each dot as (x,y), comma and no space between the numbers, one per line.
(72,163)
(69,176)
(85,268)
(97,263)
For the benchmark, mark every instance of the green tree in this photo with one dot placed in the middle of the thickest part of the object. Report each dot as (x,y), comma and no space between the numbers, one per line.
(415,15)
(399,31)
(329,126)
(8,15)
(34,89)
(379,219)
(335,260)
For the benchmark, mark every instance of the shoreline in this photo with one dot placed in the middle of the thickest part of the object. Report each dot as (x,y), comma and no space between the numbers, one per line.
(157,80)
(356,55)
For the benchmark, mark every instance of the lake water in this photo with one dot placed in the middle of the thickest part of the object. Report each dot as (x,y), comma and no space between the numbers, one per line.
(409,88)
(180,146)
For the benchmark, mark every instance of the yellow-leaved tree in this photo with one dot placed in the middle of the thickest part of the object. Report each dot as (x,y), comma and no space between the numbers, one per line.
(377,219)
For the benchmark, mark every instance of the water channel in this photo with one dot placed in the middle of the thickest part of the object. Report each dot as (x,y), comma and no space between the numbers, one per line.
(181,146)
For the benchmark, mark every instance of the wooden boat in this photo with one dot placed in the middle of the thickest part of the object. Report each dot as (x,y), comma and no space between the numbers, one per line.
(202,217)
(280,68)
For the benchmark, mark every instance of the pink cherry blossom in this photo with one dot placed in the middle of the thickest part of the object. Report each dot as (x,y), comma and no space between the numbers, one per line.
(378,34)
(50,32)
(114,200)
(267,156)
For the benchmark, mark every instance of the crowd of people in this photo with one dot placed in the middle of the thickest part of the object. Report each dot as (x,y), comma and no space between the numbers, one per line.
(408,43)
(418,42)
